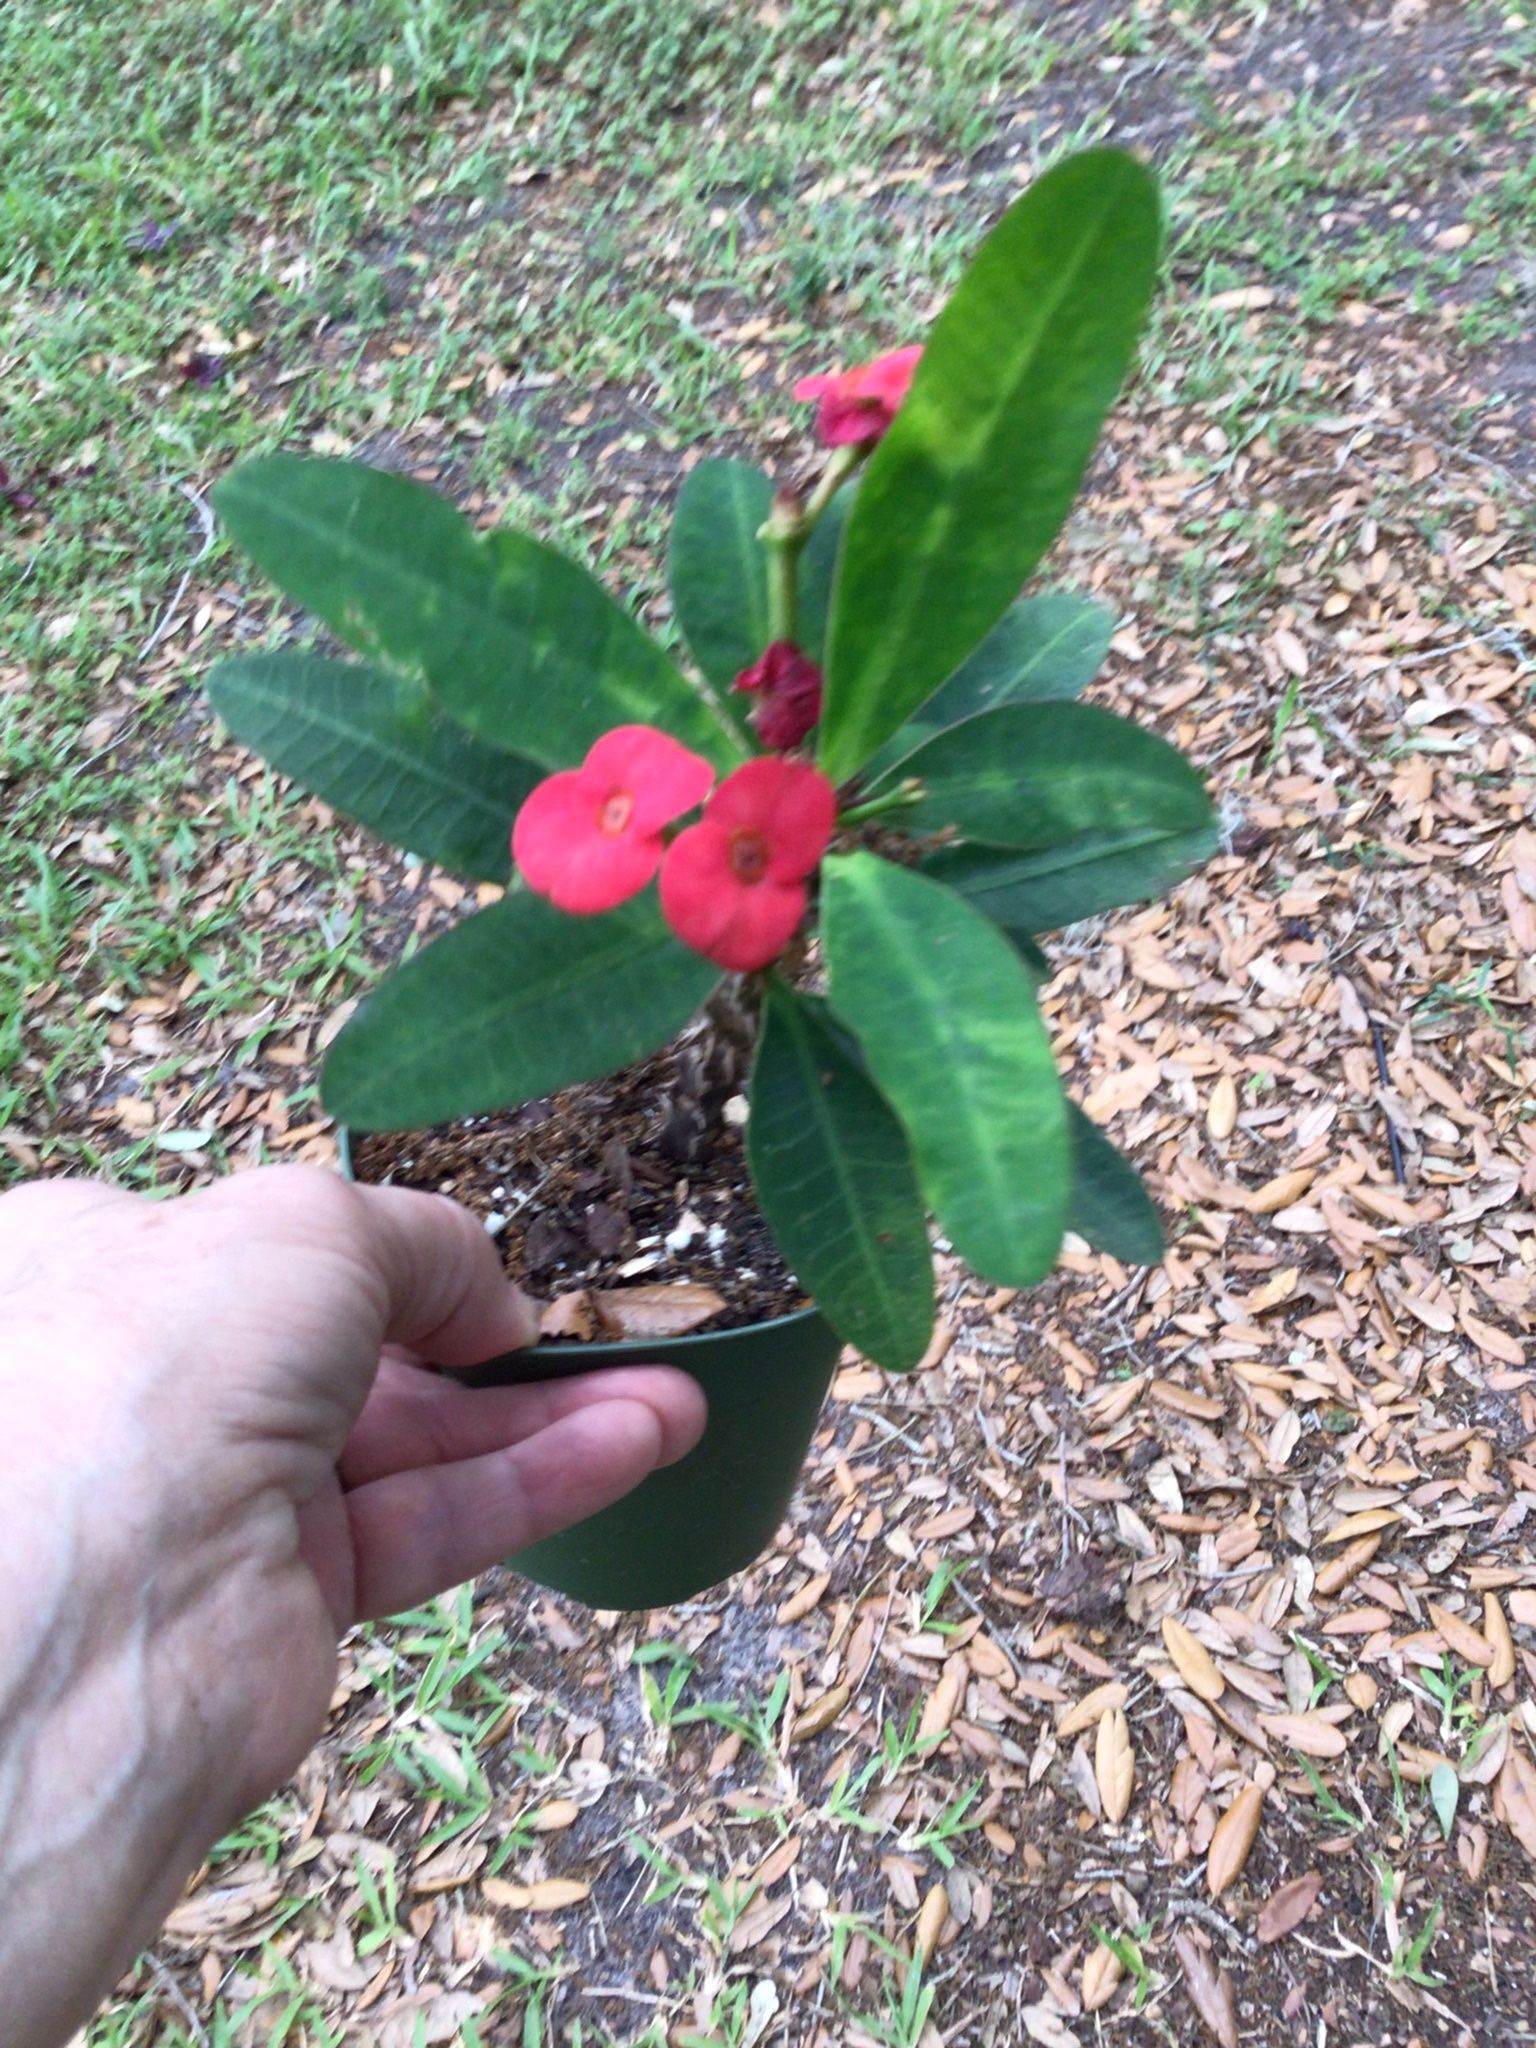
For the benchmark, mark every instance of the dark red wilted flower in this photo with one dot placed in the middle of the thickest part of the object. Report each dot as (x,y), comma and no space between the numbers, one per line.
(734,886)
(787,685)
(590,837)
(859,404)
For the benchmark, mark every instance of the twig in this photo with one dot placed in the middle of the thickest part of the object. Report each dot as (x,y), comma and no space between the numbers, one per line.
(1394,1142)
(180,2000)
(1217,1923)
(873,1415)
(204,512)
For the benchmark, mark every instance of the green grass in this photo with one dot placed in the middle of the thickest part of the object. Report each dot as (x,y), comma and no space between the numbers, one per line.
(524,238)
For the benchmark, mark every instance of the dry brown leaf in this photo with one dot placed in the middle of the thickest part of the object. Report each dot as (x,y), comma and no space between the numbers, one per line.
(549,1895)
(941,1705)
(1232,1839)
(1363,1690)
(1501,1669)
(1366,1523)
(1283,1911)
(658,1311)
(550,1819)
(570,1315)
(806,1600)
(931,1922)
(1114,1765)
(1221,1111)
(1185,1401)
(1460,1636)
(1087,1711)
(1102,1971)
(1193,1661)
(1337,1573)
(819,1714)
(1309,1733)
(1280,1192)
(1277,1288)
(1517,1796)
(1210,1989)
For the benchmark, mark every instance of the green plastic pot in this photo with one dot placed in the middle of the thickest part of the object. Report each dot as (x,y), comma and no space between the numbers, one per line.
(685,1529)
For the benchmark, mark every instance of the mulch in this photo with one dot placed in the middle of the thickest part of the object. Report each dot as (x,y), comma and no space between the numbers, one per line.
(1214,1528)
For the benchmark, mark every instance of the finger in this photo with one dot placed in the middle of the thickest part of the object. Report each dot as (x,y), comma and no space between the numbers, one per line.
(416,1418)
(418,1533)
(447,1296)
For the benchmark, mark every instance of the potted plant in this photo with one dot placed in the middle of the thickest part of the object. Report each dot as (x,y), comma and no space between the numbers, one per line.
(858,819)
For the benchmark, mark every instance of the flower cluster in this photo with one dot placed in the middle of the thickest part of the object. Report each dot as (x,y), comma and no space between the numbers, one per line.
(734,885)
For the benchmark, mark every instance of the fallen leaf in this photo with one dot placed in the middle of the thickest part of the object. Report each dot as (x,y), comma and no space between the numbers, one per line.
(941,1704)
(570,1315)
(1045,2025)
(1460,1636)
(1284,1911)
(931,1922)
(549,1895)
(658,1311)
(1114,1765)
(1280,1192)
(1210,1989)
(1308,1733)
(1221,1111)
(1366,1523)
(819,1714)
(1232,1839)
(1102,1971)
(1501,1669)
(1089,1710)
(1193,1660)
(1337,1573)
(1517,1790)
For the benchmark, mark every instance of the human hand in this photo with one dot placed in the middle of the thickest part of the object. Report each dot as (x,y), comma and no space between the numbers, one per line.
(220,1450)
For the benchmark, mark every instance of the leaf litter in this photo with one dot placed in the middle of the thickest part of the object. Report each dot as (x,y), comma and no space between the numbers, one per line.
(1248,1535)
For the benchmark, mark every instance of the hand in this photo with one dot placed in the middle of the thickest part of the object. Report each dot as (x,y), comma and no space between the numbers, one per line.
(220,1449)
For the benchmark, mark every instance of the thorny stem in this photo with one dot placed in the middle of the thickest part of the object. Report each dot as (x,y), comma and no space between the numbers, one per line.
(786,530)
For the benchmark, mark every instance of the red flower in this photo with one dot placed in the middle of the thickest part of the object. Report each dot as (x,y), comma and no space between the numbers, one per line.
(590,837)
(787,685)
(858,405)
(734,886)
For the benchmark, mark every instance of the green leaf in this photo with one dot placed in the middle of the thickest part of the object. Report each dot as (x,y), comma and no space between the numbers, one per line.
(1063,810)
(514,1003)
(974,478)
(833,1173)
(1109,1207)
(1043,650)
(945,1015)
(1033,775)
(518,643)
(818,573)
(373,744)
(717,572)
(1444,1796)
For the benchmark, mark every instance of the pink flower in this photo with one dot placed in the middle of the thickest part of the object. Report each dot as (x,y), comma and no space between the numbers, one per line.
(787,685)
(858,405)
(590,837)
(734,886)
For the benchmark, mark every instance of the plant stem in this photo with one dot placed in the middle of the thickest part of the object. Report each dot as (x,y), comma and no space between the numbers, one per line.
(783,583)
(901,798)
(786,530)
